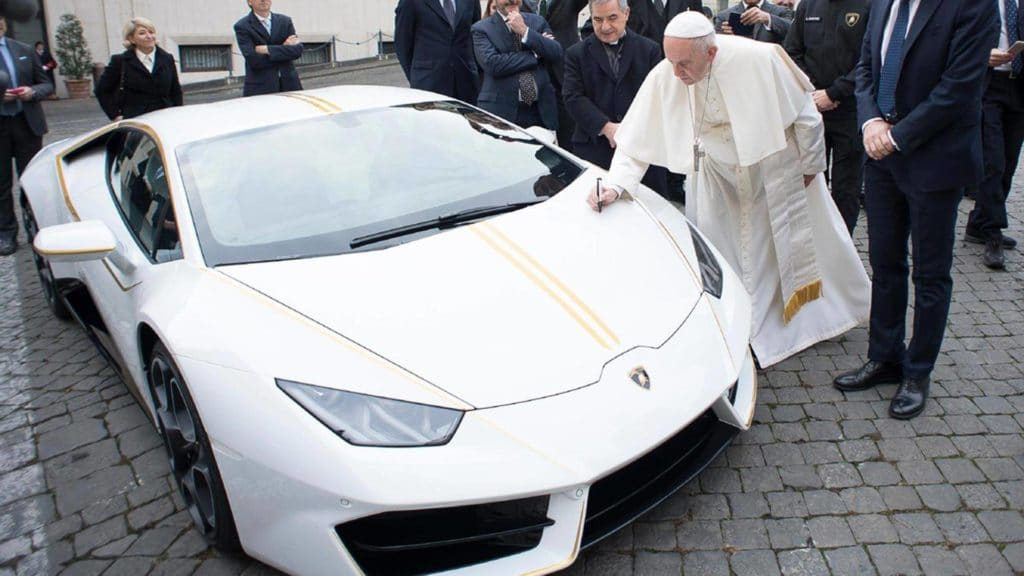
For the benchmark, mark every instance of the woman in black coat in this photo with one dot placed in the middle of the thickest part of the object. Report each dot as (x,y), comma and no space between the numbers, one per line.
(141,79)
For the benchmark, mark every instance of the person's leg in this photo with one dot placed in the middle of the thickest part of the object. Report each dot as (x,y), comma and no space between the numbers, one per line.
(1013,138)
(8,222)
(933,232)
(847,169)
(988,217)
(888,229)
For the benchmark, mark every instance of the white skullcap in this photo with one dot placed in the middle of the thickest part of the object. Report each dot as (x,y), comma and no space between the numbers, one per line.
(689,24)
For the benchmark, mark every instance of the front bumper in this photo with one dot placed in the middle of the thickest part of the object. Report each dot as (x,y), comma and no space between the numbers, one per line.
(601,456)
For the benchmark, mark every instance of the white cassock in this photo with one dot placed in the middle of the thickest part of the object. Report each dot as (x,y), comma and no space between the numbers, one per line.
(761,133)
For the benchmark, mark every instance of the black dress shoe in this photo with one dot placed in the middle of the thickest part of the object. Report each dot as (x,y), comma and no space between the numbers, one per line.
(8,246)
(870,374)
(1009,243)
(910,398)
(993,257)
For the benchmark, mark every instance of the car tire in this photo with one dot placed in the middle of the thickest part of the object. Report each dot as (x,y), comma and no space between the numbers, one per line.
(189,452)
(54,301)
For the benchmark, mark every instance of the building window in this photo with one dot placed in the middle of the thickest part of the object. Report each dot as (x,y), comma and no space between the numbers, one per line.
(205,58)
(315,54)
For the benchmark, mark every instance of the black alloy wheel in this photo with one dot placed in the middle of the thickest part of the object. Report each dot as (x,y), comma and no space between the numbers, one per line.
(54,301)
(189,452)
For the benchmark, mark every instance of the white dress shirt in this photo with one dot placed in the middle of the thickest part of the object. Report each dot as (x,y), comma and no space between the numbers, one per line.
(148,60)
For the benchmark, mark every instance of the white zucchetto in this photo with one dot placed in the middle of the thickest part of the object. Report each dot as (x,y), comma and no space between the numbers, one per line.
(689,24)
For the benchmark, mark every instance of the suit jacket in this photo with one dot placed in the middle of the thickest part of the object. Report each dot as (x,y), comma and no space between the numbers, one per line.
(143,92)
(938,93)
(781,19)
(29,71)
(268,73)
(501,64)
(435,55)
(593,95)
(674,7)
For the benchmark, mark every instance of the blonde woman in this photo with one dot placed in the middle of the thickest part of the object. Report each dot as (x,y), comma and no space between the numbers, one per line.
(141,79)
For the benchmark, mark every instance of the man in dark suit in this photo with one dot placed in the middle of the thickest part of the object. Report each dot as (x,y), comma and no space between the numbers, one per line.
(770,22)
(22,123)
(674,7)
(1002,133)
(270,47)
(435,48)
(514,50)
(919,86)
(602,76)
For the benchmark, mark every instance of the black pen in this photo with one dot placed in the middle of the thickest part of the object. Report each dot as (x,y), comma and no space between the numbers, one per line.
(599,195)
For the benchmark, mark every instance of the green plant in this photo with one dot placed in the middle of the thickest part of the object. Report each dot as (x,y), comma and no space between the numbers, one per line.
(72,49)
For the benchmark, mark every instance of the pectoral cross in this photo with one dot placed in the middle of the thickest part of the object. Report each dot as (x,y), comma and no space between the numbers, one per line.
(698,153)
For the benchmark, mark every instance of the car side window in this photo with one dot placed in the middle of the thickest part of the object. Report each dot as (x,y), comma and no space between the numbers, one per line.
(138,181)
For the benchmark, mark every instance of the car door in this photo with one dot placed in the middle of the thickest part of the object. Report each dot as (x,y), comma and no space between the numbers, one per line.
(138,210)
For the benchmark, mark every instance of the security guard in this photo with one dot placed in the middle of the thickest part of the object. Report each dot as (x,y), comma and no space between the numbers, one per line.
(825,41)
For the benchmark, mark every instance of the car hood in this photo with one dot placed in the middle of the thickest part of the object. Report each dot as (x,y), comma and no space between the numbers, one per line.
(521,306)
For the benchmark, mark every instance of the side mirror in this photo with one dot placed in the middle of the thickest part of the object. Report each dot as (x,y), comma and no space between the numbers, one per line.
(75,242)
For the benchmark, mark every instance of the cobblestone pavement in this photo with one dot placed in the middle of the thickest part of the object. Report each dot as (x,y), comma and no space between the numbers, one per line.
(824,483)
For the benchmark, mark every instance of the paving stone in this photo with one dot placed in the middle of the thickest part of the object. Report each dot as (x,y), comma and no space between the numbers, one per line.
(114,549)
(879,473)
(1014,554)
(70,437)
(852,560)
(899,450)
(708,507)
(56,531)
(657,563)
(76,495)
(787,533)
(999,469)
(941,497)
(129,567)
(696,535)
(820,502)
(709,563)
(984,559)
(26,515)
(748,505)
(919,472)
(100,534)
(975,446)
(864,500)
(894,559)
(803,562)
(937,447)
(787,504)
(960,470)
(1013,492)
(150,513)
(177,566)
(830,532)
(961,528)
(841,475)
(87,568)
(1003,526)
(189,544)
(917,528)
(820,452)
(745,534)
(900,498)
(873,529)
(720,480)
(15,548)
(647,535)
(20,483)
(939,561)
(47,560)
(753,563)
(83,461)
(782,454)
(800,477)
(762,479)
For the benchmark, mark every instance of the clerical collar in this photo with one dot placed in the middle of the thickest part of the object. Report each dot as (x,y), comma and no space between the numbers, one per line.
(616,43)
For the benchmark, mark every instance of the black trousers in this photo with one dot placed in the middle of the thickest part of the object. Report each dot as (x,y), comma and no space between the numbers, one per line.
(18,143)
(1002,133)
(527,116)
(844,148)
(896,210)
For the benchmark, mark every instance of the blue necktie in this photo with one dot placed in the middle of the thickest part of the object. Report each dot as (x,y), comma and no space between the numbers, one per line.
(9,108)
(893,61)
(1013,33)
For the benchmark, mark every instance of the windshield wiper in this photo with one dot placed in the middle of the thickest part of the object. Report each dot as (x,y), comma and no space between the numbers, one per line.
(441,222)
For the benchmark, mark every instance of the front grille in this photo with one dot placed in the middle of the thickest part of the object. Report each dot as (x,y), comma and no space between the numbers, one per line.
(422,541)
(624,495)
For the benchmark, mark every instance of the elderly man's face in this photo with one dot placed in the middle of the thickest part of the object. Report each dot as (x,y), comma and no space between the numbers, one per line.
(504,6)
(690,62)
(786,3)
(750,3)
(3,26)
(609,21)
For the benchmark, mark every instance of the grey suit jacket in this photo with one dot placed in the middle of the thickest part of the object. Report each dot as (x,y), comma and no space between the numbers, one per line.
(29,71)
(781,19)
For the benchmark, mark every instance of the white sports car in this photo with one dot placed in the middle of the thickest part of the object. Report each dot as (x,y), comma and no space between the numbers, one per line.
(383,333)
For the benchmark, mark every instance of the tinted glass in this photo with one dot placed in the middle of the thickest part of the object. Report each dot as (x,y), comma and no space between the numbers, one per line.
(309,188)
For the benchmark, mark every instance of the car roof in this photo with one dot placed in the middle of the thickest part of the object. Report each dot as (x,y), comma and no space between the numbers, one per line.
(184,124)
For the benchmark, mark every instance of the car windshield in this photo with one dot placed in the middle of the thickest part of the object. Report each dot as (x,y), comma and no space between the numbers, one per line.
(361,181)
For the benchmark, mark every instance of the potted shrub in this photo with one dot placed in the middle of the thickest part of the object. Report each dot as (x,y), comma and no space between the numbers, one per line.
(73,54)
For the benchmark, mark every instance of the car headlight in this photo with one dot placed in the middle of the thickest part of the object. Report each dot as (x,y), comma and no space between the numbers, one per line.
(373,421)
(710,271)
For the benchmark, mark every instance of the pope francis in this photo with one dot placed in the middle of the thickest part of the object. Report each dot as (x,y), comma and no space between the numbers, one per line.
(738,117)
